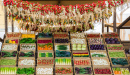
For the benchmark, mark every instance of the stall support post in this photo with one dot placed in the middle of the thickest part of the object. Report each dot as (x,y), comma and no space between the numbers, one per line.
(118,31)
(12,25)
(6,21)
(107,28)
(114,20)
(102,25)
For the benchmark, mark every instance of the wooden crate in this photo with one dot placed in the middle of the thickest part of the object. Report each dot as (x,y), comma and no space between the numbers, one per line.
(79,35)
(28,58)
(112,37)
(12,33)
(83,51)
(66,66)
(62,38)
(83,67)
(108,63)
(61,33)
(121,72)
(26,67)
(82,58)
(11,39)
(108,33)
(27,45)
(93,34)
(44,67)
(64,57)
(9,44)
(98,51)
(8,67)
(26,52)
(45,52)
(102,67)
(68,44)
(43,39)
(116,51)
(80,50)
(28,34)
(46,58)
(10,57)
(118,65)
(84,42)
(97,44)
(88,39)
(114,44)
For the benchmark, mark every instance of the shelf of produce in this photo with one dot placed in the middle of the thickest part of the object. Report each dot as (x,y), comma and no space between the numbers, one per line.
(63,54)
(98,53)
(66,68)
(27,47)
(26,54)
(63,47)
(116,54)
(79,47)
(100,61)
(77,35)
(81,53)
(27,41)
(44,40)
(13,35)
(115,47)
(87,68)
(124,60)
(42,47)
(82,61)
(120,71)
(11,40)
(63,61)
(95,41)
(61,35)
(93,35)
(28,35)
(97,47)
(110,34)
(44,70)
(9,47)
(26,61)
(42,54)
(102,70)
(61,40)
(45,61)
(112,40)
(9,54)
(11,61)
(8,70)
(44,35)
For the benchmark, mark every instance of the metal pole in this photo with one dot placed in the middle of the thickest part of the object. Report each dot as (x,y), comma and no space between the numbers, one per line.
(6,21)
(114,20)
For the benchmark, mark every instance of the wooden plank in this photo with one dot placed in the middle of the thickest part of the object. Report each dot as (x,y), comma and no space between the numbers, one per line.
(114,20)
(127,24)
(6,21)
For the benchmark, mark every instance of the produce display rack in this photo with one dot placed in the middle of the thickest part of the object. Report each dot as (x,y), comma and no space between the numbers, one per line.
(36,57)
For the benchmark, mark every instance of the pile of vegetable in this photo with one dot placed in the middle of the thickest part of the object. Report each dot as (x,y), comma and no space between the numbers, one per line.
(14,41)
(95,41)
(110,35)
(121,71)
(25,71)
(27,40)
(93,35)
(28,47)
(28,54)
(13,35)
(119,61)
(97,47)
(82,62)
(78,41)
(45,41)
(45,35)
(61,47)
(98,54)
(60,35)
(63,70)
(61,40)
(86,70)
(100,61)
(79,46)
(28,36)
(9,47)
(48,46)
(8,62)
(9,54)
(44,71)
(45,62)
(77,35)
(112,41)
(77,54)
(27,62)
(116,54)
(102,71)
(8,70)
(46,54)
(114,47)
(63,53)
(63,61)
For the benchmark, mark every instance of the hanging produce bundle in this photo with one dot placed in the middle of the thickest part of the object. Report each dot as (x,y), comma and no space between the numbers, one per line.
(47,18)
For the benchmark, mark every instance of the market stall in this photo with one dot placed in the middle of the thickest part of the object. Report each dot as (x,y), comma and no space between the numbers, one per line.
(60,46)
